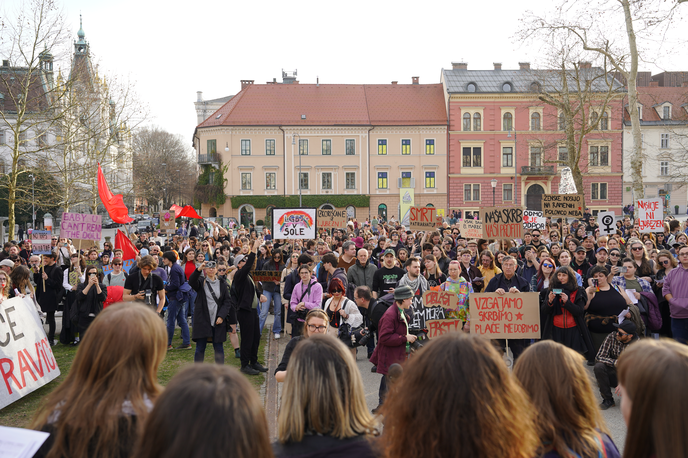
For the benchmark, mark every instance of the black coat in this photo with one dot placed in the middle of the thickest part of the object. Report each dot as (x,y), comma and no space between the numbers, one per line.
(203,328)
(576,309)
(245,292)
(54,291)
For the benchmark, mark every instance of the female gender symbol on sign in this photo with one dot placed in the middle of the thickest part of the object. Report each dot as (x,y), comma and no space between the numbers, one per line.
(606,221)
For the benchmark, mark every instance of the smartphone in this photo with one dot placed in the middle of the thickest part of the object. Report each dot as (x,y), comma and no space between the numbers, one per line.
(623,270)
(595,283)
(557,291)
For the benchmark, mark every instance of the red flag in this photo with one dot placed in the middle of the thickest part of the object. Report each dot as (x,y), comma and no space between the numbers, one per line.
(114,204)
(177,210)
(189,212)
(122,242)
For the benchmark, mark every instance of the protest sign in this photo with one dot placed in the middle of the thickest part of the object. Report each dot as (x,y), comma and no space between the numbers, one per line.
(502,223)
(650,215)
(447,300)
(471,228)
(422,314)
(606,221)
(533,220)
(80,226)
(167,224)
(507,316)
(266,275)
(424,219)
(444,299)
(26,360)
(40,242)
(126,265)
(331,219)
(293,223)
(563,205)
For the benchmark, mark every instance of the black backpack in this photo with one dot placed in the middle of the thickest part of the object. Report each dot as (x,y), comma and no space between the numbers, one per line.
(379,308)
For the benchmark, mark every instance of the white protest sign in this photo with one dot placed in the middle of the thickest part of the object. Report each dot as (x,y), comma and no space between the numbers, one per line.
(650,215)
(533,220)
(26,360)
(293,223)
(606,221)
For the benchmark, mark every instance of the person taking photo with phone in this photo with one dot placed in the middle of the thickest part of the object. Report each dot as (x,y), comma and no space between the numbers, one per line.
(89,299)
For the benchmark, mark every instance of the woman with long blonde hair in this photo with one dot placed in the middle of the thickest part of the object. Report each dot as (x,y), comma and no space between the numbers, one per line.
(100,407)
(568,421)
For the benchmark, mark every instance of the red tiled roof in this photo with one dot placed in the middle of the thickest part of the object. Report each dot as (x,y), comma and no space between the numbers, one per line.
(333,104)
(651,96)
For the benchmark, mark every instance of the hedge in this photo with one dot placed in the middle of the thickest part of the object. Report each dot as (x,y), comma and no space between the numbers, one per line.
(337,201)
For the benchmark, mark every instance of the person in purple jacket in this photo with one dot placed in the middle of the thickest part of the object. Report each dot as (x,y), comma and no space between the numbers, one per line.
(307,295)
(675,291)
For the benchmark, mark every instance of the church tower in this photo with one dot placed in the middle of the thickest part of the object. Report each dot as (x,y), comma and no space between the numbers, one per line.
(81,47)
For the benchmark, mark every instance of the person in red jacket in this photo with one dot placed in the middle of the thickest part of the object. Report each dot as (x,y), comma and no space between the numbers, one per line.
(394,338)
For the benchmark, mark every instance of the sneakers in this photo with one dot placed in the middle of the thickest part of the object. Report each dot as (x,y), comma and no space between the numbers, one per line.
(373,369)
(259,367)
(169,347)
(607,403)
(237,353)
(183,347)
(248,370)
(277,335)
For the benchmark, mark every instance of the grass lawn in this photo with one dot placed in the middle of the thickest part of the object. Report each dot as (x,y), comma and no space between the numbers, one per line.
(20,413)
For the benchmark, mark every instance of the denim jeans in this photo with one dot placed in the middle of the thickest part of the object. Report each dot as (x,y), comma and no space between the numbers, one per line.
(176,311)
(265,309)
(200,351)
(190,305)
(679,328)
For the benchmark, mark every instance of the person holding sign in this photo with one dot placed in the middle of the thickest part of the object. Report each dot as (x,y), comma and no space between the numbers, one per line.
(562,308)
(462,288)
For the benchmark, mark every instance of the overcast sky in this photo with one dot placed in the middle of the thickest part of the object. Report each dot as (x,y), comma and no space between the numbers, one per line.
(172,49)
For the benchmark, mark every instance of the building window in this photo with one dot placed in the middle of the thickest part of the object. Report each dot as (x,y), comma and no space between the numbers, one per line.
(382,180)
(507,192)
(350,147)
(472,157)
(405,179)
(382,147)
(429,147)
(535,121)
(476,122)
(382,211)
(563,154)
(466,121)
(245,147)
(429,179)
(269,147)
(599,156)
(350,180)
(326,180)
(246,181)
(666,113)
(303,147)
(562,122)
(507,156)
(664,141)
(471,87)
(303,180)
(471,192)
(535,156)
(604,122)
(271,181)
(212,146)
(664,168)
(599,191)
(327,147)
(405,147)
(508,122)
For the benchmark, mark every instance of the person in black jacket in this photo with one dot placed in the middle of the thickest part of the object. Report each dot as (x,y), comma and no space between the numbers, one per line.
(211,309)
(90,296)
(247,300)
(49,291)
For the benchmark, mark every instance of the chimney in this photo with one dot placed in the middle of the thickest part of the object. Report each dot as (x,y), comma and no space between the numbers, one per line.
(395,82)
(246,83)
(585,64)
(654,83)
(524,65)
(414,79)
(199,96)
(497,65)
(459,66)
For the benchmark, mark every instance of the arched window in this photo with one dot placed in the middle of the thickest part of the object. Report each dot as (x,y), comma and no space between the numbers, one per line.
(326,207)
(535,87)
(212,212)
(471,87)
(508,122)
(604,122)
(466,121)
(246,215)
(476,122)
(535,121)
(351,212)
(593,118)
(382,211)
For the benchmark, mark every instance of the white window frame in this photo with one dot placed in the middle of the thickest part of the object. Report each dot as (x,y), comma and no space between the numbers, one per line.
(346,184)
(308,177)
(241,146)
(472,188)
(250,179)
(266,181)
(322,175)
(274,151)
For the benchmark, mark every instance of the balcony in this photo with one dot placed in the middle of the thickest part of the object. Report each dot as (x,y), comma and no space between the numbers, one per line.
(538,170)
(212,158)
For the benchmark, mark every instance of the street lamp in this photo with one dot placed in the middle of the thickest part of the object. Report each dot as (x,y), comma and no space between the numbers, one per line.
(293,142)
(494,185)
(33,201)
(515,168)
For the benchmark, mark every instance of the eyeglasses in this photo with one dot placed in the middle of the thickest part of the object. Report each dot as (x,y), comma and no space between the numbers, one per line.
(548,265)
(614,254)
(116,263)
(621,333)
(337,291)
(685,253)
(665,262)
(312,327)
(205,245)
(637,248)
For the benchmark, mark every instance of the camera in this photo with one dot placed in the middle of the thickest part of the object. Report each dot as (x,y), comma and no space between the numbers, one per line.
(210,264)
(360,337)
(623,270)
(149,296)
(421,338)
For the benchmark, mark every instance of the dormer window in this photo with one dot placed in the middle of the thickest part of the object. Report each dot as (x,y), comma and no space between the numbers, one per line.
(666,112)
(471,87)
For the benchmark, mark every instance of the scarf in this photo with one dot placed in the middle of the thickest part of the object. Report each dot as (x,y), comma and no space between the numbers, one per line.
(414,284)
(212,305)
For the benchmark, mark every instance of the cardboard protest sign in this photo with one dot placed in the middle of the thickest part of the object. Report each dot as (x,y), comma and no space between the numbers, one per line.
(167,224)
(509,316)
(81,226)
(26,360)
(471,228)
(422,315)
(424,219)
(444,299)
(126,265)
(266,275)
(650,215)
(533,220)
(40,242)
(447,300)
(502,223)
(607,223)
(563,205)
(293,223)
(331,219)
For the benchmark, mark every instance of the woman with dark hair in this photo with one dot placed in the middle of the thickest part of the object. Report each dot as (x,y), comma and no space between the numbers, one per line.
(498,258)
(307,295)
(340,310)
(544,276)
(317,322)
(106,396)
(654,400)
(441,259)
(496,419)
(646,266)
(572,244)
(264,256)
(580,233)
(271,290)
(568,422)
(90,297)
(661,241)
(604,305)
(562,305)
(225,417)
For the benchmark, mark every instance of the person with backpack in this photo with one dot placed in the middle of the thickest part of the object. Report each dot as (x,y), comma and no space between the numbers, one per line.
(177,292)
(307,295)
(118,276)
(342,311)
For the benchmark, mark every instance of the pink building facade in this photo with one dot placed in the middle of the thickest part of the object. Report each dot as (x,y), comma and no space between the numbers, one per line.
(501,134)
